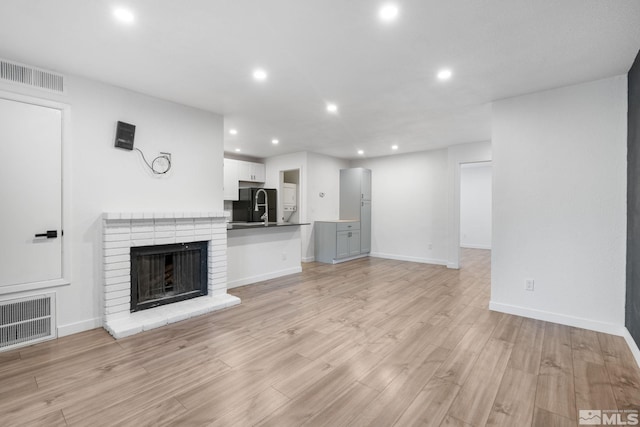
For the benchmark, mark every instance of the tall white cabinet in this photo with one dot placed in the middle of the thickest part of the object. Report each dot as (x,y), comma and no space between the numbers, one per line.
(355,202)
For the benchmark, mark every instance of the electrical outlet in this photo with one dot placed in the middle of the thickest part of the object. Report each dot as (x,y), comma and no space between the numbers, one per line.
(528,284)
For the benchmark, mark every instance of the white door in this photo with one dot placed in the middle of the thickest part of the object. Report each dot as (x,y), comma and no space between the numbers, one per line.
(30,193)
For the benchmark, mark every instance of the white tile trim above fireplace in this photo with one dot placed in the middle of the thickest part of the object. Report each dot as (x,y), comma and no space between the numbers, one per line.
(123,230)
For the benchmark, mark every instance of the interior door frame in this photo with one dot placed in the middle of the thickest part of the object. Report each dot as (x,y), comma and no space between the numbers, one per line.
(65,111)
(458,155)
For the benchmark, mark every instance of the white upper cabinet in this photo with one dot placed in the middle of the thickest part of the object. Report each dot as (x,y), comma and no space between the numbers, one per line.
(239,170)
(251,172)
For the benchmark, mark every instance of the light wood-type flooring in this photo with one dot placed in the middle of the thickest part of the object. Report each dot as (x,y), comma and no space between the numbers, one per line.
(368,342)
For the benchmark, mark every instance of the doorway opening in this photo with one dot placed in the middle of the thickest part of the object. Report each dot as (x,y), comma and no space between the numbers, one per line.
(289,195)
(475,209)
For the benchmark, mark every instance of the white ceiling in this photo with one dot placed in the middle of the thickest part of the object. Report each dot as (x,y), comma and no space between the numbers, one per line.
(382,76)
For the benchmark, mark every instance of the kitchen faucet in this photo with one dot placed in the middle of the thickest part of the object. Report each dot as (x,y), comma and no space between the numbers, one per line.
(265,216)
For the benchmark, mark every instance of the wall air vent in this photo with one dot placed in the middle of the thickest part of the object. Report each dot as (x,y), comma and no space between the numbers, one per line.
(31,76)
(26,321)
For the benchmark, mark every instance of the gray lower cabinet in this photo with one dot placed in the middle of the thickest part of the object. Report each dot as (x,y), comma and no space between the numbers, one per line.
(336,240)
(347,243)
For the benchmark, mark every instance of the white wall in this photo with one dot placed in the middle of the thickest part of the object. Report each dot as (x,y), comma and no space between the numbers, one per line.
(104,178)
(475,205)
(318,174)
(323,177)
(559,210)
(409,206)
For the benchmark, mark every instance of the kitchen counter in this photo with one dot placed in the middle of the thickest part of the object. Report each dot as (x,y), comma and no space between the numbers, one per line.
(256,253)
(260,225)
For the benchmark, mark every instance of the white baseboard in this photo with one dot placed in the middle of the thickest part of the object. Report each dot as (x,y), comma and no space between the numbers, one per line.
(262,277)
(473,246)
(563,319)
(351,258)
(632,345)
(74,328)
(308,259)
(408,258)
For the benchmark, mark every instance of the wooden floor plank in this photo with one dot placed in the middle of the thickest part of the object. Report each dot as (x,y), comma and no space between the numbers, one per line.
(513,405)
(457,367)
(367,342)
(527,350)
(345,408)
(555,391)
(52,419)
(322,393)
(451,421)
(387,407)
(615,349)
(586,346)
(252,410)
(474,402)
(542,418)
(163,412)
(430,407)
(625,383)
(593,387)
(139,396)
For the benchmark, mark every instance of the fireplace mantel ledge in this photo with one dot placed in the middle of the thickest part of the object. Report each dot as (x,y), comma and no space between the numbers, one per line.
(114,216)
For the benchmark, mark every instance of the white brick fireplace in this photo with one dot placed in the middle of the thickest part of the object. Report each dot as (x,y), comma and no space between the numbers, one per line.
(122,231)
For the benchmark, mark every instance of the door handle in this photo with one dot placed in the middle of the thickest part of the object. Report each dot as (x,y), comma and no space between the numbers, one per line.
(50,234)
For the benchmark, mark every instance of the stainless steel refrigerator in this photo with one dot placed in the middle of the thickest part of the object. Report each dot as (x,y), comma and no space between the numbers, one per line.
(355,202)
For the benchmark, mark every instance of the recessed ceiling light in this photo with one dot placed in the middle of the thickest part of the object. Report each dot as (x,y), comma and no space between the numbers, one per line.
(275,141)
(332,108)
(233,131)
(394,147)
(388,12)
(361,152)
(237,150)
(124,15)
(259,74)
(444,74)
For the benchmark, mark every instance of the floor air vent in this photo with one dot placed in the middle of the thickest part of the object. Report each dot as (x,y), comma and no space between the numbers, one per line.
(30,76)
(26,321)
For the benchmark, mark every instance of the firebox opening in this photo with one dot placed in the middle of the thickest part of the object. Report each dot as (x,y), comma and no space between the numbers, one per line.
(164,274)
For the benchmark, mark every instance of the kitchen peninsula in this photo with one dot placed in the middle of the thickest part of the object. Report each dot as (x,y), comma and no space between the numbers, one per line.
(256,252)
